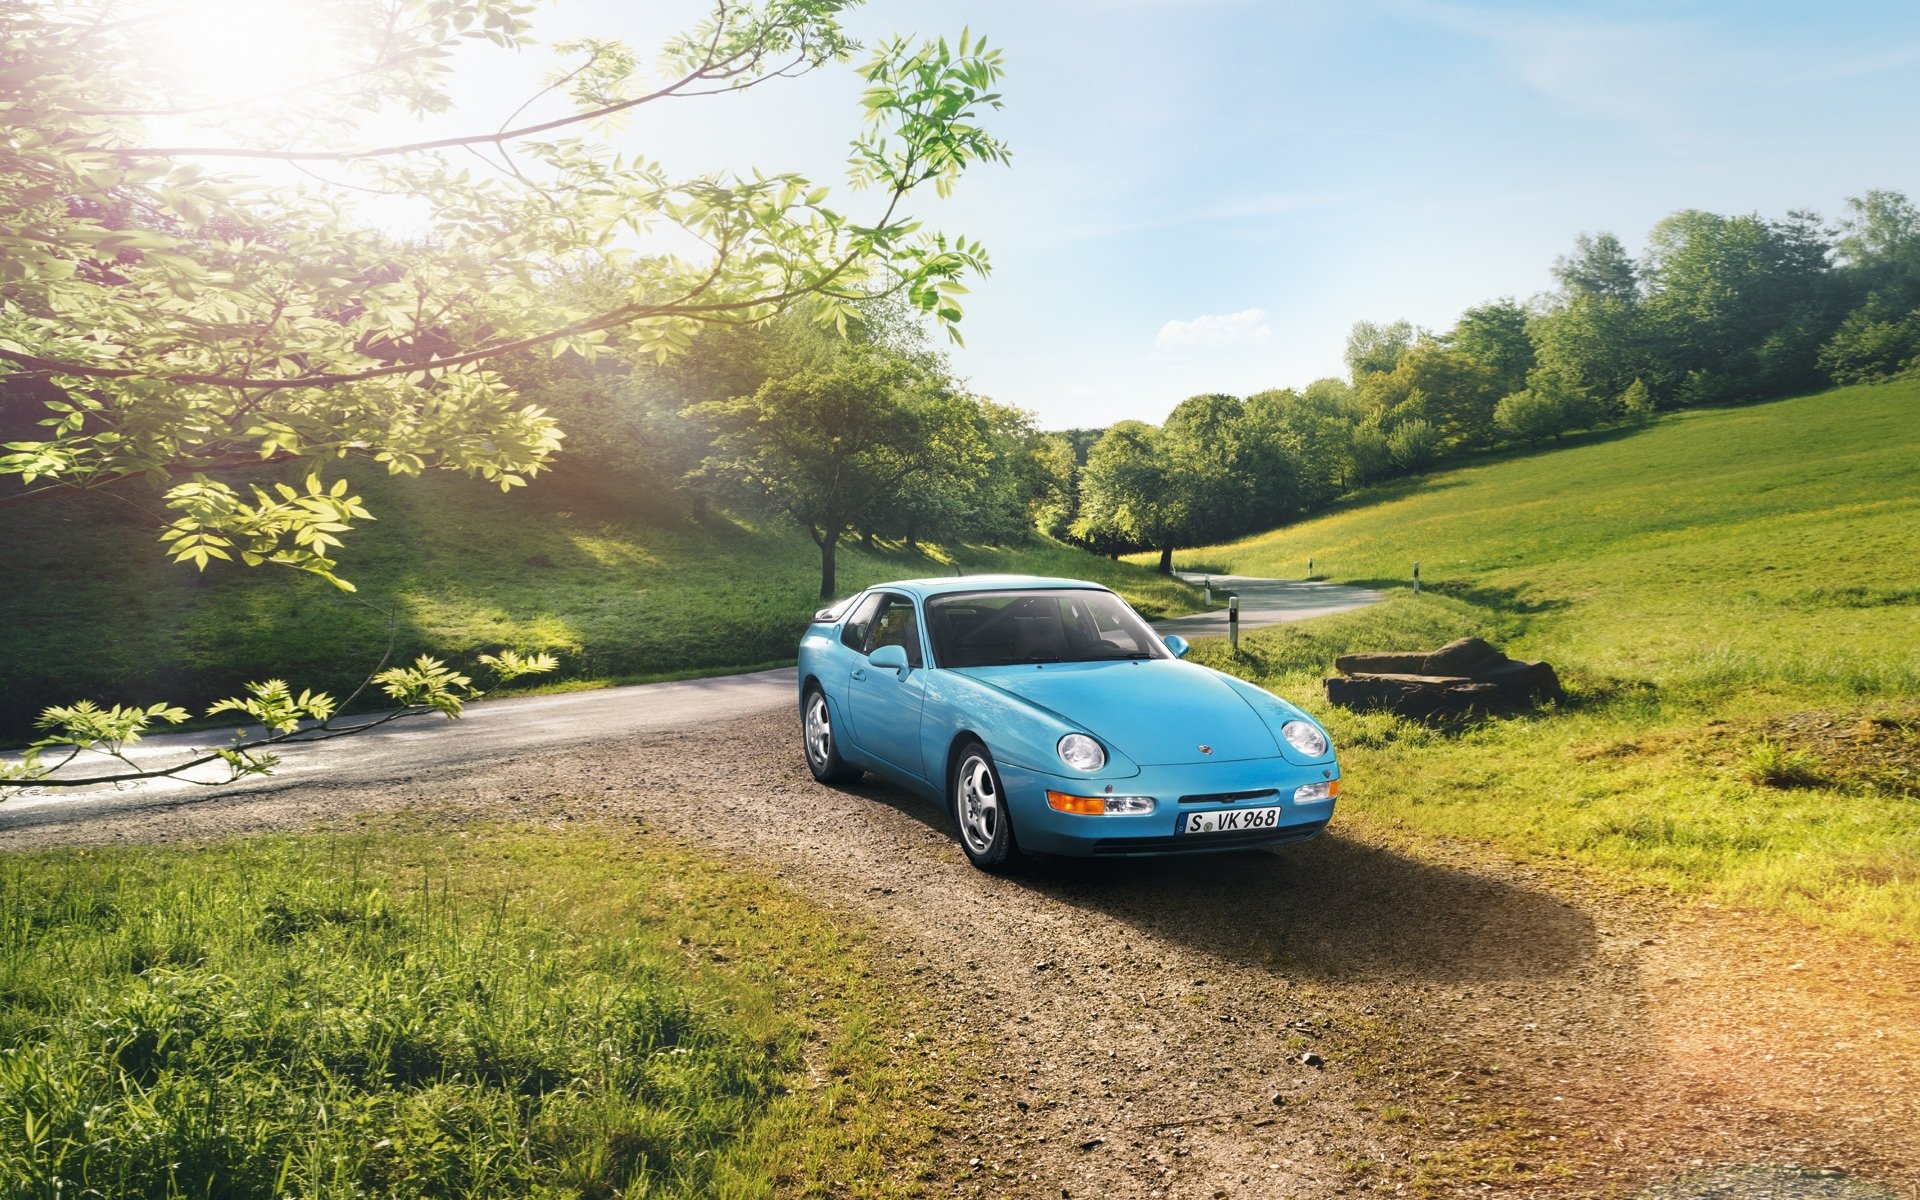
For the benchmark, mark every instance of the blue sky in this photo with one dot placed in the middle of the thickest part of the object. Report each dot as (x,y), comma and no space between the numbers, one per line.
(1206,194)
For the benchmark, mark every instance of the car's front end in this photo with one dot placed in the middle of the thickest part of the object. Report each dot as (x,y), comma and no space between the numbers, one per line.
(1161,757)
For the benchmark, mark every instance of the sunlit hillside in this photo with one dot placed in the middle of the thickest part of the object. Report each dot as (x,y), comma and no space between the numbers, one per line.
(454,569)
(1733,597)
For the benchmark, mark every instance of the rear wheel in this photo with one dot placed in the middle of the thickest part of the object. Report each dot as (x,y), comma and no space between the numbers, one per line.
(823,750)
(980,809)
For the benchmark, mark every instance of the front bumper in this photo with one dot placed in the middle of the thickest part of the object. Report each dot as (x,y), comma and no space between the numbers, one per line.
(1045,830)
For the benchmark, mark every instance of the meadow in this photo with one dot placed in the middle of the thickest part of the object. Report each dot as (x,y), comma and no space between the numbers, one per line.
(1732,598)
(501,1011)
(451,568)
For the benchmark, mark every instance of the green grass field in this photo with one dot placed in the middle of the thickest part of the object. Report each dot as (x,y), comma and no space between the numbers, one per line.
(498,1012)
(1732,597)
(92,609)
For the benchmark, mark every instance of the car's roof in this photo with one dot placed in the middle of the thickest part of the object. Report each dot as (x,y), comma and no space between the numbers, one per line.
(948,584)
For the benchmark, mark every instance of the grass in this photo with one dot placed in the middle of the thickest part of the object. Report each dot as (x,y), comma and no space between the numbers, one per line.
(92,610)
(1730,597)
(505,1011)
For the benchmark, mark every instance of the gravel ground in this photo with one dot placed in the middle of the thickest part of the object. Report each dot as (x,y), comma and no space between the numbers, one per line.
(1337,1018)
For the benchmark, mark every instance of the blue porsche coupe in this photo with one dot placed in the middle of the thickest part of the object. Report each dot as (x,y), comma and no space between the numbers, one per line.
(1049,718)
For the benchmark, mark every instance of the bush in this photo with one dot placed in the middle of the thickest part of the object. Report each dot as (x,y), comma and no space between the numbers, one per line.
(1529,416)
(1413,444)
(1864,349)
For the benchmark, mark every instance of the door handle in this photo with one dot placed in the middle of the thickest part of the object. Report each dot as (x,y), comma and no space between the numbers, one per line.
(858,673)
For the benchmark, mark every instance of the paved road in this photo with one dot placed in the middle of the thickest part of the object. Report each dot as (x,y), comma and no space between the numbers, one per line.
(1266,602)
(497,730)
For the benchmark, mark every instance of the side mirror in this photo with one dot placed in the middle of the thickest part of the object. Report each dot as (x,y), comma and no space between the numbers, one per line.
(1177,644)
(889,658)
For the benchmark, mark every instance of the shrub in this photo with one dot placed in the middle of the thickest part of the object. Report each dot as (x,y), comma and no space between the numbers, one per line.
(1529,416)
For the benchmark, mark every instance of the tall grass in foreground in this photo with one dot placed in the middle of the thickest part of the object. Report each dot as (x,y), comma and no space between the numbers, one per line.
(500,1013)
(1734,602)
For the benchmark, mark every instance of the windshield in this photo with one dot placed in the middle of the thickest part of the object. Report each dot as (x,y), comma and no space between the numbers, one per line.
(990,629)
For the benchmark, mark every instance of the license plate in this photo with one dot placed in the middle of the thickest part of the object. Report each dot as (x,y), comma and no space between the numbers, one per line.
(1229,820)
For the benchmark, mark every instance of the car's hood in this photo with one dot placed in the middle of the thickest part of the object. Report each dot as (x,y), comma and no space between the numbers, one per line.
(1156,712)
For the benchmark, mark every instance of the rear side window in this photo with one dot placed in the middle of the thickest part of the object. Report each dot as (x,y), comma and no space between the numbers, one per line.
(853,635)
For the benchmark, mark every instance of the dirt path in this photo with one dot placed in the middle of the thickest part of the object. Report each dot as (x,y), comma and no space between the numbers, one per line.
(1335,1018)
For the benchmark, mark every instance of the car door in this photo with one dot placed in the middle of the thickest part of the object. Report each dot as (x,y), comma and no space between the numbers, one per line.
(884,705)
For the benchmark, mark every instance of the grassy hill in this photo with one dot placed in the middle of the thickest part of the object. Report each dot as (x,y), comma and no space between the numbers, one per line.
(91,608)
(1733,598)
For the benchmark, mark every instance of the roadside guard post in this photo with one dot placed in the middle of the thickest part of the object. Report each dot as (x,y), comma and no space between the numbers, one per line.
(1233,621)
(1416,578)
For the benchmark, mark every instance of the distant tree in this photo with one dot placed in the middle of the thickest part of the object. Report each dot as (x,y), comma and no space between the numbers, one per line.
(1880,252)
(1127,497)
(1413,444)
(1376,349)
(1598,269)
(1880,246)
(1449,391)
(1372,453)
(1530,416)
(1494,335)
(1057,502)
(1736,307)
(1865,348)
(1636,403)
(830,447)
(1277,428)
(1588,350)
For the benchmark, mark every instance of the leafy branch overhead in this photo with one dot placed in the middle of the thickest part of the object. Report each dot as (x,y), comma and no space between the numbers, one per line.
(285,719)
(181,309)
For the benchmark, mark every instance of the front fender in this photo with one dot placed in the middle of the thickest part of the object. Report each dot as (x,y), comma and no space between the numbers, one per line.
(1020,733)
(1276,711)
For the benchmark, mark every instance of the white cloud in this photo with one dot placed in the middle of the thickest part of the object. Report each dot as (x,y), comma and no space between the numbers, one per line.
(1247,327)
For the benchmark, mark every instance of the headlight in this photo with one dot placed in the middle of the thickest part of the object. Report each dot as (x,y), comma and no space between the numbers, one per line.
(1082,753)
(1305,738)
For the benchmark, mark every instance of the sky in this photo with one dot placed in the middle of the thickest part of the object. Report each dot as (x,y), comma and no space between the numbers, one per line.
(1205,195)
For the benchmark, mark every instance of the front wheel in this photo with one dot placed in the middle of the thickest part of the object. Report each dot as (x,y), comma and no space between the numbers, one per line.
(980,809)
(816,732)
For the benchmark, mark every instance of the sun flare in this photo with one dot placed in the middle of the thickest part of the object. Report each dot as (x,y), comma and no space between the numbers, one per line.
(228,50)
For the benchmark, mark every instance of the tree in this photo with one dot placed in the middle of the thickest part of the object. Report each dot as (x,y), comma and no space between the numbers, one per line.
(184,323)
(1530,417)
(1126,491)
(1212,475)
(1598,269)
(175,325)
(1494,335)
(1057,502)
(834,446)
(1587,351)
(1736,306)
(1376,349)
(1451,392)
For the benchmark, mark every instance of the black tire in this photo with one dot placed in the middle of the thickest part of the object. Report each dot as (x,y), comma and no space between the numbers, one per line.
(817,739)
(979,806)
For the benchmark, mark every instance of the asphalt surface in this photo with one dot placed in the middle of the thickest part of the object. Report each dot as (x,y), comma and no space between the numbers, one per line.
(496,730)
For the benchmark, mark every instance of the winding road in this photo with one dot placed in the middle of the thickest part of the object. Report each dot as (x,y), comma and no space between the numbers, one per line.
(510,727)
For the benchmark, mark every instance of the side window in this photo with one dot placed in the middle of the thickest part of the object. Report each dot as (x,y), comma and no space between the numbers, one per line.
(896,626)
(853,635)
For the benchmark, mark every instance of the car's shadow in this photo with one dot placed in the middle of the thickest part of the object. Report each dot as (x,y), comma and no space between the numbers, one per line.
(1333,908)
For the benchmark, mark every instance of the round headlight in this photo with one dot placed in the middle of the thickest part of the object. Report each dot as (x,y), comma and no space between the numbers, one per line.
(1082,753)
(1305,738)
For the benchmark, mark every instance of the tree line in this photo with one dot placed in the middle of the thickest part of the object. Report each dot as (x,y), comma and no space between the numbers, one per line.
(1717,310)
(866,432)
